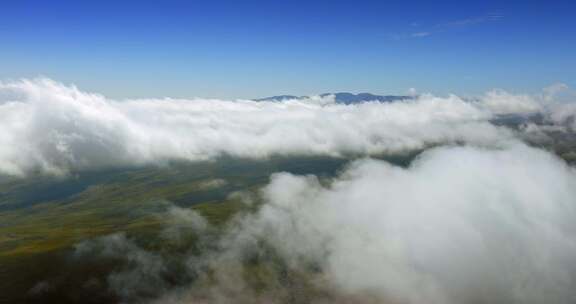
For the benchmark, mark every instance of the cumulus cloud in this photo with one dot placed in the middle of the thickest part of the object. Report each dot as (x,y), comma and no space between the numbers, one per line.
(460,225)
(502,102)
(51,128)
(561,105)
(491,221)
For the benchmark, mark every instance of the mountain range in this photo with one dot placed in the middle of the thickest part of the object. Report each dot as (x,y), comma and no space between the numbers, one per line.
(343,97)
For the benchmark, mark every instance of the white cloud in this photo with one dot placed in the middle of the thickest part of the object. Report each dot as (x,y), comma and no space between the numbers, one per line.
(421,34)
(502,102)
(448,26)
(461,225)
(52,128)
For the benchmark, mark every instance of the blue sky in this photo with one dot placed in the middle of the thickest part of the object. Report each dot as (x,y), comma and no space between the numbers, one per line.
(251,49)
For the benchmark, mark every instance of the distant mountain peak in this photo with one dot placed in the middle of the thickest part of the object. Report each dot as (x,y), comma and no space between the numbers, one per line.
(280,98)
(343,97)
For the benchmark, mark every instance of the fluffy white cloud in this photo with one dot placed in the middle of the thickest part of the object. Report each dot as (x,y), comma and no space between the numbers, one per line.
(460,225)
(502,102)
(51,128)
(489,222)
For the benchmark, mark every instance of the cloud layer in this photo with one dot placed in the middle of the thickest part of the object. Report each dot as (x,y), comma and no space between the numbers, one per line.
(51,128)
(478,217)
(460,225)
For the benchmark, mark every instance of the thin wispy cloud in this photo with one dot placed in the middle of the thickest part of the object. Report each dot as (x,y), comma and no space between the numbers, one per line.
(470,21)
(421,34)
(424,31)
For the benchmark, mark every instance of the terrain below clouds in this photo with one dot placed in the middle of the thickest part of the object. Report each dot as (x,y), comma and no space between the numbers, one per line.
(419,199)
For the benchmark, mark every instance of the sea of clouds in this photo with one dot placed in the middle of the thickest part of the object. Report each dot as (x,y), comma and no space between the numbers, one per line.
(459,225)
(479,216)
(47,127)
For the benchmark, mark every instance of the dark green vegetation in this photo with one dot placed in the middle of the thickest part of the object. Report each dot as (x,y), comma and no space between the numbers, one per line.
(42,218)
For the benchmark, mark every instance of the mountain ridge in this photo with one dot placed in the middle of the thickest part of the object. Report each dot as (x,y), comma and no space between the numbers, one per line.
(343,97)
